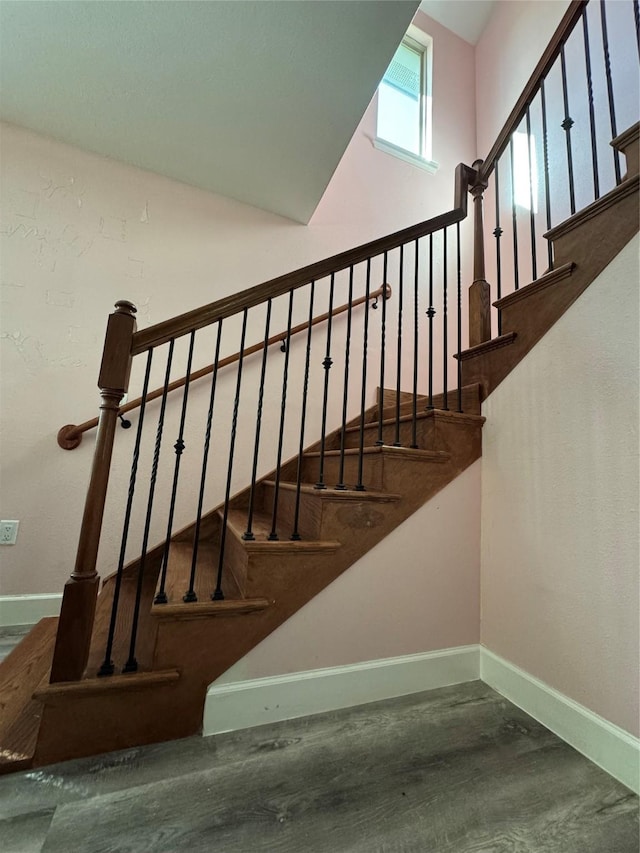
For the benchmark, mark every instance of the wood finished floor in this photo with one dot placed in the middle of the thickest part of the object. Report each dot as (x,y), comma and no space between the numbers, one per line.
(455,770)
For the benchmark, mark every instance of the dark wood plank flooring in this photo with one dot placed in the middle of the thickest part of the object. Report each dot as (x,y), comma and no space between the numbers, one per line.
(456,770)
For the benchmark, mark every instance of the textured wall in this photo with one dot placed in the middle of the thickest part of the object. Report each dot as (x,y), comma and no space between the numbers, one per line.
(560,551)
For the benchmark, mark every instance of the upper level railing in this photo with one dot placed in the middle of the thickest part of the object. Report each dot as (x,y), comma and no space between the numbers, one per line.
(553,156)
(327,380)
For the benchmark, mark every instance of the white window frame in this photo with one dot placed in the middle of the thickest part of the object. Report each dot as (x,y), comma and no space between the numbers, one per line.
(416,39)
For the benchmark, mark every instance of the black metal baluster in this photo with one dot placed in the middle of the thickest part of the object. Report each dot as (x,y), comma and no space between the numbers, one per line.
(248,534)
(612,110)
(359,487)
(217,594)
(514,219)
(636,15)
(325,393)
(161,597)
(497,233)
(459,282)
(107,667)
(532,215)
(273,536)
(431,313)
(383,334)
(445,344)
(132,664)
(341,484)
(566,125)
(190,594)
(545,148)
(592,117)
(414,419)
(295,536)
(397,442)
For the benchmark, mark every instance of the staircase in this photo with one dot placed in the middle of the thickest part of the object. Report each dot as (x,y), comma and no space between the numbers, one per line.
(135,669)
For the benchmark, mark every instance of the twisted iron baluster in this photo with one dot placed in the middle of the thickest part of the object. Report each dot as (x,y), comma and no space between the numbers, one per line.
(190,594)
(107,667)
(132,664)
(161,597)
(217,594)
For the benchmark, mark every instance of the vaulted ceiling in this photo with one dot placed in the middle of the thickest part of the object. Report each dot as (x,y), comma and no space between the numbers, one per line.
(253,99)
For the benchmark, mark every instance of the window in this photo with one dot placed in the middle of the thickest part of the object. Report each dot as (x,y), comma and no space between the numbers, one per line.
(404,102)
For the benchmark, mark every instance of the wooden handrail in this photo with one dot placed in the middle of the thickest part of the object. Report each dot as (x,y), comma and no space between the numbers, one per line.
(562,33)
(70,436)
(163,332)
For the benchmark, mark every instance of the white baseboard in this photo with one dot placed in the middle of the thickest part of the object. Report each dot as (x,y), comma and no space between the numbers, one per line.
(28,609)
(607,745)
(244,704)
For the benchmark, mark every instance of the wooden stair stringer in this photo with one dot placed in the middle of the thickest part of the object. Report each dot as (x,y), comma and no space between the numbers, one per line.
(21,673)
(85,721)
(583,247)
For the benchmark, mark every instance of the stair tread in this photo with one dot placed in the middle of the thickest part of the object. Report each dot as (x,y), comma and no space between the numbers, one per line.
(23,669)
(199,609)
(410,452)
(470,396)
(261,528)
(487,346)
(179,572)
(625,188)
(121,641)
(21,672)
(126,681)
(547,280)
(339,494)
(430,413)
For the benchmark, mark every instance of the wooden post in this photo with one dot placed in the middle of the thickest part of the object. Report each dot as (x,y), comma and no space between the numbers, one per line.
(81,590)
(480,291)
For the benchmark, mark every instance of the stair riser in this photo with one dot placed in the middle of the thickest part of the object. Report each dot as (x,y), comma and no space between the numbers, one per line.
(372,468)
(236,562)
(323,519)
(470,402)
(424,435)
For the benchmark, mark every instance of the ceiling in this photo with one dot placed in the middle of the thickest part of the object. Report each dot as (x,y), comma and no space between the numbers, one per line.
(466,18)
(253,99)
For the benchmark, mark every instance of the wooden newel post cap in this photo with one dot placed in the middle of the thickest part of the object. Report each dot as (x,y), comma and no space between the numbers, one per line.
(479,184)
(123,306)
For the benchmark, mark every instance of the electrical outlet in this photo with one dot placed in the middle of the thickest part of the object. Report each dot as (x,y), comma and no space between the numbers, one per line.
(8,532)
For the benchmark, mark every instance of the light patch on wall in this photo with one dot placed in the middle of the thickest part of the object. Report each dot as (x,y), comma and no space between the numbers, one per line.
(63,185)
(525,171)
(80,335)
(135,268)
(23,203)
(144,217)
(60,298)
(143,305)
(113,229)
(29,348)
(67,361)
(75,242)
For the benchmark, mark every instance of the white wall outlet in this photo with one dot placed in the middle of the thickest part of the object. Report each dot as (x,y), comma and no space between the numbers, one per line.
(8,532)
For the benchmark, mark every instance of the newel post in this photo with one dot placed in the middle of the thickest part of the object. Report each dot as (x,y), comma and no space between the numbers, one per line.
(480,291)
(81,590)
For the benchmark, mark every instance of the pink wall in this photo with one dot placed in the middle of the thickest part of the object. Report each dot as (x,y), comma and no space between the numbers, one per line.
(424,601)
(506,54)
(560,534)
